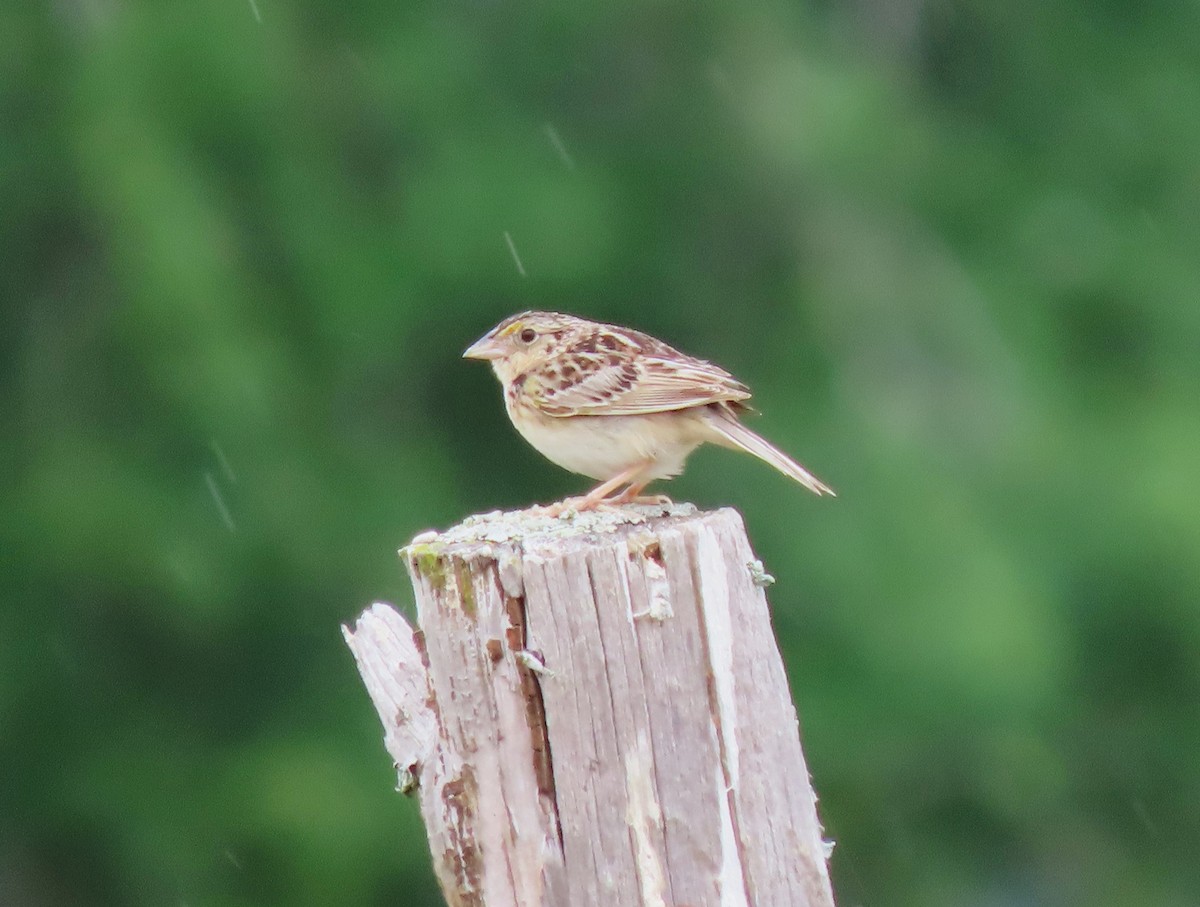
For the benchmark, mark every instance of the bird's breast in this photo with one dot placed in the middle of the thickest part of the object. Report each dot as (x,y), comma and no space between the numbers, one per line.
(600,447)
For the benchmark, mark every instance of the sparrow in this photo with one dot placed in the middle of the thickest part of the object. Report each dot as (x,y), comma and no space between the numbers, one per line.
(617,405)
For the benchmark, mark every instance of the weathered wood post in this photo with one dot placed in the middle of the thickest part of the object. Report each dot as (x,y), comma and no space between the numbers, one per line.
(594,712)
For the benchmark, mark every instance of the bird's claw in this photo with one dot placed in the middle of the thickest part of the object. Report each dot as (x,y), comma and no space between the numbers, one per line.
(586,504)
(650,500)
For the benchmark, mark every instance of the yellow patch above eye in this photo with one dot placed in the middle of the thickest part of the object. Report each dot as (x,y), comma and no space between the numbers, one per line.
(510,330)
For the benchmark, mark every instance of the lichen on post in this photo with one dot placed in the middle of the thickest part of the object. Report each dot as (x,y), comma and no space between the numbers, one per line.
(594,711)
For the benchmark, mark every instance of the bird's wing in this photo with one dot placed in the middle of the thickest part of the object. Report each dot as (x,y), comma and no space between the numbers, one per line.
(608,385)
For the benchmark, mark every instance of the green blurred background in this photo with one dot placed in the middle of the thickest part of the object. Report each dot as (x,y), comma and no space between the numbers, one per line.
(954,247)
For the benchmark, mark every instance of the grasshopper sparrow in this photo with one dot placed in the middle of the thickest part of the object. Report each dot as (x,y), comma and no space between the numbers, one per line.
(617,405)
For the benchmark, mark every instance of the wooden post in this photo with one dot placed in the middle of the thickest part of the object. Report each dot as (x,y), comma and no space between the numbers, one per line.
(594,712)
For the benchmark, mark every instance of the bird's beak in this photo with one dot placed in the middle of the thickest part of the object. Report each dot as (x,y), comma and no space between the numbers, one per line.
(485,347)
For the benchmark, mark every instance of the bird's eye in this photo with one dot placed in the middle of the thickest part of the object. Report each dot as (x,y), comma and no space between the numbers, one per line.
(528,335)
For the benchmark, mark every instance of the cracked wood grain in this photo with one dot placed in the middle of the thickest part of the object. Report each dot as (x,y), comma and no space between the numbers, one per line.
(598,715)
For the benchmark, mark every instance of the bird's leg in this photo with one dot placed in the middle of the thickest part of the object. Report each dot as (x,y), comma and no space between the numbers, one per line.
(633,495)
(599,495)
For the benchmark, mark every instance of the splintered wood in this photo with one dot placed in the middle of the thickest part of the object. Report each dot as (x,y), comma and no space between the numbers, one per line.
(594,712)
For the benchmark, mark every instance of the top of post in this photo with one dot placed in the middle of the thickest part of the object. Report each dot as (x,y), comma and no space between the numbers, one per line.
(535,528)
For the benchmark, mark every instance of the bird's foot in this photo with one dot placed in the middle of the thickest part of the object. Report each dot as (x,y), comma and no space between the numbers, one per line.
(571,506)
(590,504)
(602,497)
(650,500)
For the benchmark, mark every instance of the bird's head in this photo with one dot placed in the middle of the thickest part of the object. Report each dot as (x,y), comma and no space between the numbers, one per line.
(519,343)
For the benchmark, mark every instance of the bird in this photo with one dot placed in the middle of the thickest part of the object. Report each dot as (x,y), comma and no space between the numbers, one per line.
(618,405)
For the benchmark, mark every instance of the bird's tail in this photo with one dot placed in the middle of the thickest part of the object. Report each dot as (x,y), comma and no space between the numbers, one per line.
(729,432)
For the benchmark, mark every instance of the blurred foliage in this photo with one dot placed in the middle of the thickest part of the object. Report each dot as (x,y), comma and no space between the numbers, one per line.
(954,247)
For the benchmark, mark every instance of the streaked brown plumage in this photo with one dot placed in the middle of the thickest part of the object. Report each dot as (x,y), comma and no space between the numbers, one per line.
(618,405)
